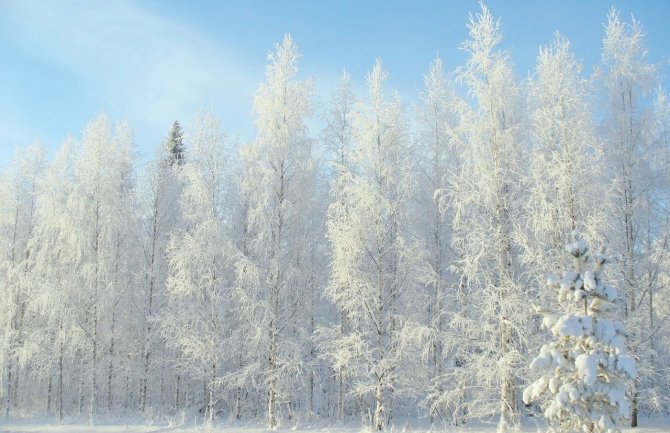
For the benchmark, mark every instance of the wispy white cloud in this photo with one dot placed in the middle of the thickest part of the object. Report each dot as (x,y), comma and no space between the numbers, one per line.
(142,66)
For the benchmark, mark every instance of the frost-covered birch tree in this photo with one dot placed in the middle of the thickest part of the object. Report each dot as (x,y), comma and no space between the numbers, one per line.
(123,229)
(485,199)
(654,362)
(162,219)
(99,218)
(55,328)
(18,191)
(566,173)
(437,117)
(197,319)
(629,80)
(278,174)
(372,269)
(339,140)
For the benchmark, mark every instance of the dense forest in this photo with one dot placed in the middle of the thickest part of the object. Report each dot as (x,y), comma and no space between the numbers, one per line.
(391,265)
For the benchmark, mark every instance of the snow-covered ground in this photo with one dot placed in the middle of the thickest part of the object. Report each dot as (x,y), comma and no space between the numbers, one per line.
(653,425)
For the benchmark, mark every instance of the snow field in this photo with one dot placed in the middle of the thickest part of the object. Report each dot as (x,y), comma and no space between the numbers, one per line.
(647,425)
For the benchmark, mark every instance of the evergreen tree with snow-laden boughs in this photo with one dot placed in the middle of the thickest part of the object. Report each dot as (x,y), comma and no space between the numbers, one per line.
(588,369)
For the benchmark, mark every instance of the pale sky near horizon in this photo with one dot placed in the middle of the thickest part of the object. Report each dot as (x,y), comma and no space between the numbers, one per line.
(151,62)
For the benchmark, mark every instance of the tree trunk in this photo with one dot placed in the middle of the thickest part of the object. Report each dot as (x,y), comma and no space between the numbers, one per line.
(126,387)
(340,396)
(272,384)
(341,380)
(507,405)
(634,403)
(379,406)
(80,403)
(60,379)
(310,406)
(211,402)
(94,375)
(15,388)
(379,392)
(274,342)
(237,408)
(110,368)
(8,396)
(49,393)
(177,389)
(147,320)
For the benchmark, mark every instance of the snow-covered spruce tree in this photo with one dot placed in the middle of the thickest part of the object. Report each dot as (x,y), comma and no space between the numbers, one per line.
(196,319)
(373,263)
(588,368)
(633,164)
(174,145)
(565,175)
(485,199)
(278,180)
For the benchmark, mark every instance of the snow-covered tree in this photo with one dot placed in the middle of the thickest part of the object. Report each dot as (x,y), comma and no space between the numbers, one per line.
(633,166)
(278,183)
(174,145)
(654,376)
(565,162)
(437,118)
(588,368)
(197,319)
(485,200)
(339,120)
(372,267)
(339,140)
(100,217)
(161,220)
(18,188)
(654,362)
(55,326)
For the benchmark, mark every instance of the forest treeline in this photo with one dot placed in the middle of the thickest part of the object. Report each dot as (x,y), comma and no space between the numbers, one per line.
(388,266)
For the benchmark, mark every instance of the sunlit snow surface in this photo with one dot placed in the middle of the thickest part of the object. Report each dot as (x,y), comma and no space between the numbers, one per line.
(653,425)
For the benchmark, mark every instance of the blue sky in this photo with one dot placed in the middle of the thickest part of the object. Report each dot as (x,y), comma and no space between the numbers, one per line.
(153,61)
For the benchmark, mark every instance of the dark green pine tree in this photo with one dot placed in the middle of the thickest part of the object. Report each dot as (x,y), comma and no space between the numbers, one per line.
(175,145)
